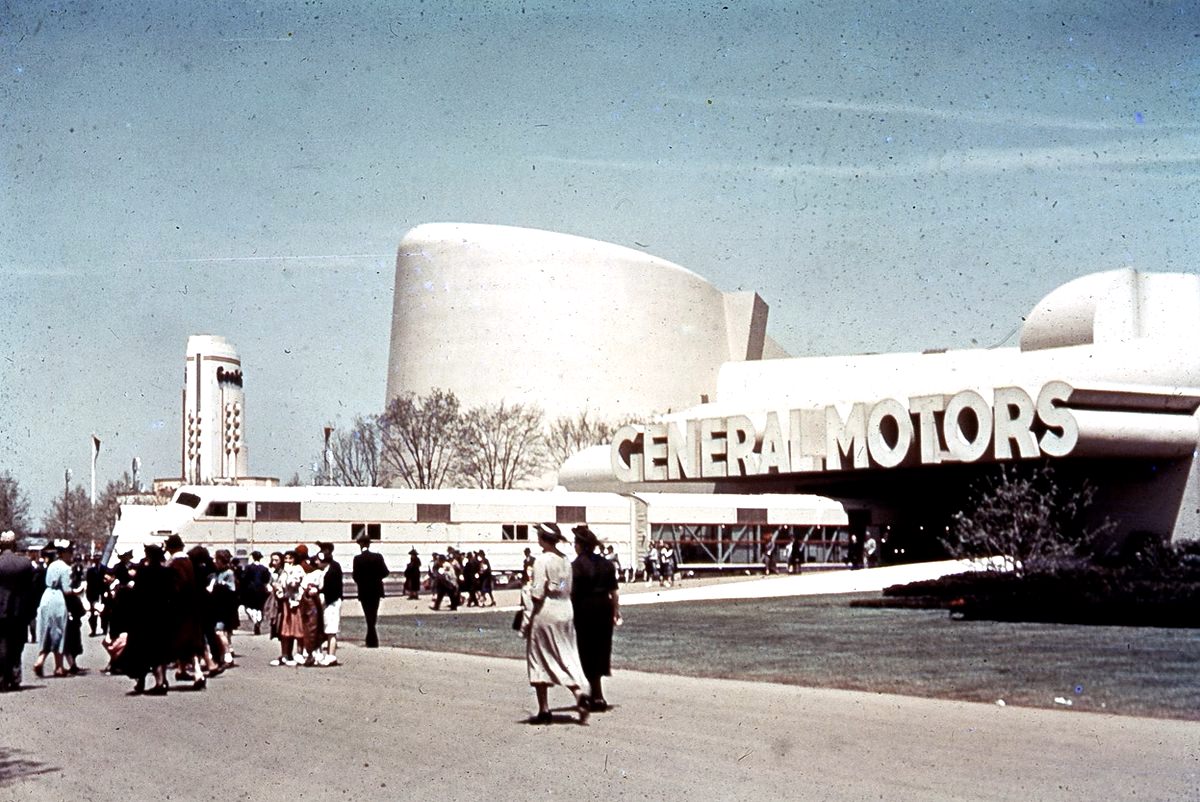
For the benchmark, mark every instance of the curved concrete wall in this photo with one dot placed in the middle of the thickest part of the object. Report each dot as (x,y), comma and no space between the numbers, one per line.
(495,312)
(1116,306)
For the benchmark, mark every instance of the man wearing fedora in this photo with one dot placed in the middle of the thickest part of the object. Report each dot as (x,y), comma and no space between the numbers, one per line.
(17,607)
(369,570)
(597,610)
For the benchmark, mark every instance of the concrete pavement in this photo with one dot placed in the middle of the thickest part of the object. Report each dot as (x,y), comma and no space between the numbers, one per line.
(400,724)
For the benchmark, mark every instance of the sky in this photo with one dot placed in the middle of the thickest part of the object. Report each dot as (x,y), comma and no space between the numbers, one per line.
(888,176)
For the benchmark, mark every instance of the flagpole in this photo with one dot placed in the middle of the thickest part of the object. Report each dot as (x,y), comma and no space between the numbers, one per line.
(328,457)
(95,453)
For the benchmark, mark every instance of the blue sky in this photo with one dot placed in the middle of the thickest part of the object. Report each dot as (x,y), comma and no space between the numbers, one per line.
(888,176)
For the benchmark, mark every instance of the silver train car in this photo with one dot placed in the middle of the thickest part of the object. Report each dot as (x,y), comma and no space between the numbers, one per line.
(500,522)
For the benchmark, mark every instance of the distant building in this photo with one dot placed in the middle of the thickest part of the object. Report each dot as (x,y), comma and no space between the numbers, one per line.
(212,435)
(214,405)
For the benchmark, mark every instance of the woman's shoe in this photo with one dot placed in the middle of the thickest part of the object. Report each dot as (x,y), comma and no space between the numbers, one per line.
(584,707)
(61,672)
(39,670)
(543,717)
(200,684)
(599,706)
(157,690)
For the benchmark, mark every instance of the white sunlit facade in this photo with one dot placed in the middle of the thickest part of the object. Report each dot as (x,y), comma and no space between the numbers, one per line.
(1104,385)
(567,323)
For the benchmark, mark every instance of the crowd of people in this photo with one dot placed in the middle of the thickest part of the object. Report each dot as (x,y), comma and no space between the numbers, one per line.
(660,562)
(461,578)
(175,610)
(174,613)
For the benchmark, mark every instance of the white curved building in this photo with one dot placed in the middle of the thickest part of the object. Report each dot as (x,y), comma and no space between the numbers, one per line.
(1105,384)
(570,324)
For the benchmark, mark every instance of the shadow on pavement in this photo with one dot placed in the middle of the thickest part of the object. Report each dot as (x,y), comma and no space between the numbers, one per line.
(15,767)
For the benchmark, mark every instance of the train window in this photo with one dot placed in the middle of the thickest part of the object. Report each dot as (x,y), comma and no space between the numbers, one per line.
(218,509)
(570,515)
(277,510)
(751,516)
(373,531)
(514,532)
(242,509)
(188,499)
(433,513)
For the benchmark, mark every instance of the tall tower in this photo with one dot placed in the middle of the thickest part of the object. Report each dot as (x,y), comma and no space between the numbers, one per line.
(214,402)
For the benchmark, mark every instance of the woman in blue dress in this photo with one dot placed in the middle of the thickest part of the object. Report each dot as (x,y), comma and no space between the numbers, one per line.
(52,612)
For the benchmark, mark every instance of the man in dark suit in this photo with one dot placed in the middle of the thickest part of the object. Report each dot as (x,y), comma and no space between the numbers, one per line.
(96,583)
(17,608)
(369,570)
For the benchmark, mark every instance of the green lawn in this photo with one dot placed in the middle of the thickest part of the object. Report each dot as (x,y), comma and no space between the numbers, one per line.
(823,642)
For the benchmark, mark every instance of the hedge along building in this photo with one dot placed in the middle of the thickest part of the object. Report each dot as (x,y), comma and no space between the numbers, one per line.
(1104,385)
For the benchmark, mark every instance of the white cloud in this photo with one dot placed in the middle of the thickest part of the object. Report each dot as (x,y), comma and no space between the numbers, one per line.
(978,116)
(1123,156)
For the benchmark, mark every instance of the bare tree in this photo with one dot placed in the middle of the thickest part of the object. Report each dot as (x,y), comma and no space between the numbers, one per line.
(14,505)
(569,435)
(420,439)
(356,454)
(71,516)
(502,445)
(1026,516)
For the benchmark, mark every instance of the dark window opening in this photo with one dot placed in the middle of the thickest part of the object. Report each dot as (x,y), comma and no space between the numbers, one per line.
(277,510)
(242,509)
(433,513)
(514,532)
(372,531)
(218,509)
(751,516)
(570,515)
(188,499)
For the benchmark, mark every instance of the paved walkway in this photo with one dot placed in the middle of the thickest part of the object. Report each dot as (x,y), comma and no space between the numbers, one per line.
(810,583)
(399,724)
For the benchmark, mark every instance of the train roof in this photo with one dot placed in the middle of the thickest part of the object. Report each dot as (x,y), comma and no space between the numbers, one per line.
(389,494)
(662,508)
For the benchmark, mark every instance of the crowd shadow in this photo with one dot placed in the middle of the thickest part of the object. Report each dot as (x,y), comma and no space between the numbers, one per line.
(16,767)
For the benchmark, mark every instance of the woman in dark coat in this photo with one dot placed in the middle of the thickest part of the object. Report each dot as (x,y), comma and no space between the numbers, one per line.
(146,613)
(597,608)
(187,624)
(412,575)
